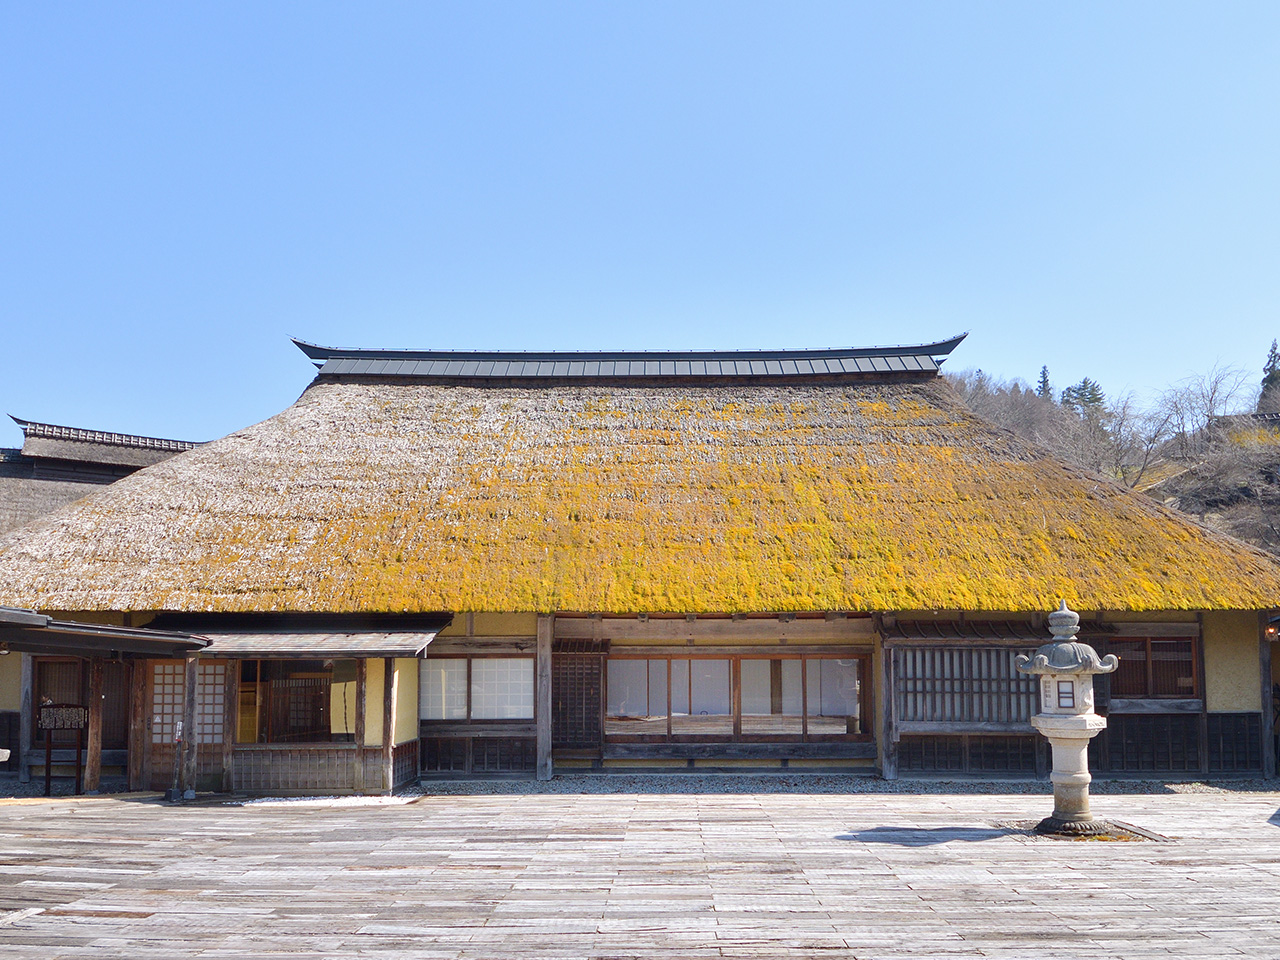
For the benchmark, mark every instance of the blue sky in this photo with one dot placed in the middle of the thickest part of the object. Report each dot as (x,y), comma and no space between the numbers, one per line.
(185,186)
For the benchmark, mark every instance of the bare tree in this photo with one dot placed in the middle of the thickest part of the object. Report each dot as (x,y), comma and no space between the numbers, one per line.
(1193,406)
(1137,436)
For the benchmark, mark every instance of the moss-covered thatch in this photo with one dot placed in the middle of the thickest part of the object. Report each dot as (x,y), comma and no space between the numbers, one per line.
(400,496)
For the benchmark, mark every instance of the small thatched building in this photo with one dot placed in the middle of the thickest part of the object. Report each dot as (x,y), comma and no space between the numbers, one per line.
(795,558)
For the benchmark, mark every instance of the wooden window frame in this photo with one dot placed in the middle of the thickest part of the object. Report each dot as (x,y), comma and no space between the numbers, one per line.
(1197,684)
(264,707)
(468,720)
(866,698)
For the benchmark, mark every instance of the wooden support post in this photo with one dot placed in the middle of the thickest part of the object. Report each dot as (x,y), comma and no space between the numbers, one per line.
(889,746)
(1204,709)
(79,760)
(25,719)
(357,767)
(48,763)
(187,780)
(542,693)
(93,758)
(1268,717)
(388,726)
(139,742)
(230,721)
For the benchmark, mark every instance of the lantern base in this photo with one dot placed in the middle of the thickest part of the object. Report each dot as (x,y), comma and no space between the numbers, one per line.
(1074,828)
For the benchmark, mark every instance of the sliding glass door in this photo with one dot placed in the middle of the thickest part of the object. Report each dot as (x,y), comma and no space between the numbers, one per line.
(738,698)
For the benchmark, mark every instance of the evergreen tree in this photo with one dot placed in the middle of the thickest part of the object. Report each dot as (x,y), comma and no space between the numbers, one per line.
(1269,399)
(1044,389)
(1085,397)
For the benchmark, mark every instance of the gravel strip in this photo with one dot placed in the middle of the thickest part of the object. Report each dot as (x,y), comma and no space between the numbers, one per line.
(60,786)
(677,783)
(732,783)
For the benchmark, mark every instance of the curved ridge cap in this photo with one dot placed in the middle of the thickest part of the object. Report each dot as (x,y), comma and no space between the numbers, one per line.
(312,350)
(319,353)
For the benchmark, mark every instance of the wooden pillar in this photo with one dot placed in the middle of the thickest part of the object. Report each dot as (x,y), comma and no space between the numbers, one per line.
(139,742)
(1268,718)
(187,778)
(230,722)
(889,746)
(357,767)
(1204,697)
(388,727)
(26,721)
(542,693)
(93,757)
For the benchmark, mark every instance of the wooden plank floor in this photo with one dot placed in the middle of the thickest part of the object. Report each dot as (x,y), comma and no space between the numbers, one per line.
(637,876)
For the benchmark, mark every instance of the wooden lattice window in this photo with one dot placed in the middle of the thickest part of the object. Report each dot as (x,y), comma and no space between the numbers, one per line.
(962,685)
(210,702)
(168,689)
(575,700)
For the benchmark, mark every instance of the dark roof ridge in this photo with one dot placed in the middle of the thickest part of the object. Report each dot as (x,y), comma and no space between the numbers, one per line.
(921,361)
(939,348)
(52,431)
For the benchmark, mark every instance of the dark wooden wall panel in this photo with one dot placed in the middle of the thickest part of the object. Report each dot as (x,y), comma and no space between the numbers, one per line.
(304,769)
(1235,743)
(404,763)
(1148,743)
(10,734)
(479,755)
(969,754)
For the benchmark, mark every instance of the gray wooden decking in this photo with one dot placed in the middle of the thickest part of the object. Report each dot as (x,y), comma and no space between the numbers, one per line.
(537,876)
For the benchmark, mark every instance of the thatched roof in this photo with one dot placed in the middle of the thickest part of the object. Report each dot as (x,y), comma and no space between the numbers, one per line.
(402,495)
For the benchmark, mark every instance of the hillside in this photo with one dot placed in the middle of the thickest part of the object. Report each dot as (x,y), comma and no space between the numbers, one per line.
(1223,470)
(1234,484)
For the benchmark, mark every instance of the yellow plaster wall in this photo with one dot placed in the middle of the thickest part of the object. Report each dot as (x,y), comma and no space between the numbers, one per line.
(492,625)
(1144,616)
(11,681)
(1231,667)
(373,704)
(406,727)
(342,712)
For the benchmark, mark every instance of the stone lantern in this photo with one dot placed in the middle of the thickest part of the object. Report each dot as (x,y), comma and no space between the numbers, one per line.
(1066,668)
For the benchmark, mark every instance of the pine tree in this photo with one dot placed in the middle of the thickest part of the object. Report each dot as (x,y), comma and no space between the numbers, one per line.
(1269,399)
(1084,397)
(1044,389)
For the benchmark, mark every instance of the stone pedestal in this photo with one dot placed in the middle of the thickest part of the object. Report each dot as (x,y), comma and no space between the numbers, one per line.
(1069,737)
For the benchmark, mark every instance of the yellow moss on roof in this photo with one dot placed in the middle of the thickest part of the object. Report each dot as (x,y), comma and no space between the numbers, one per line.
(394,497)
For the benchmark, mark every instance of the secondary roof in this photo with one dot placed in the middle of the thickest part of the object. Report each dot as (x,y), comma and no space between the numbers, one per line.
(32,632)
